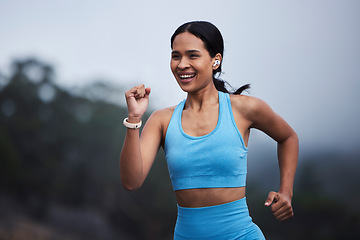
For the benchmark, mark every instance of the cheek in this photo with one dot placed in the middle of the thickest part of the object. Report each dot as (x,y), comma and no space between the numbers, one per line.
(172,65)
(205,68)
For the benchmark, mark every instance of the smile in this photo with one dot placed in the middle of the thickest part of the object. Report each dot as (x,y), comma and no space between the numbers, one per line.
(186,76)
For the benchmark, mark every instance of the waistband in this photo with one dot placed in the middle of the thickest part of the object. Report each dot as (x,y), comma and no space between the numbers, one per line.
(213,221)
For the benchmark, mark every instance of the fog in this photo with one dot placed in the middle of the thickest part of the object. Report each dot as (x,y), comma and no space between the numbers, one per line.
(301,57)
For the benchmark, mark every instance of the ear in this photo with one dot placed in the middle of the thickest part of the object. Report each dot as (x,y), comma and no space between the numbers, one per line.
(217,61)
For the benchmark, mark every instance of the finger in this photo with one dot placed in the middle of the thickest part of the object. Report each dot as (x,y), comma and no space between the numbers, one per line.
(147,91)
(272,197)
(286,215)
(131,93)
(143,93)
(136,92)
(140,91)
(280,208)
(277,205)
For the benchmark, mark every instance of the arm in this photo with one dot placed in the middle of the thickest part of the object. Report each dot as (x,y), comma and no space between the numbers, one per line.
(139,152)
(264,119)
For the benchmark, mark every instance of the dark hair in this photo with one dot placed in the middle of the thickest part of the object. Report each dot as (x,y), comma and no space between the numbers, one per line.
(214,44)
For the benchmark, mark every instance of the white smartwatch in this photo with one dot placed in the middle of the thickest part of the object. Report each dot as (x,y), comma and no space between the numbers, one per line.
(132,125)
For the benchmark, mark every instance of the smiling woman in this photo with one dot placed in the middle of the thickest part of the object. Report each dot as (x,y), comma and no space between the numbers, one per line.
(205,141)
(191,63)
(212,42)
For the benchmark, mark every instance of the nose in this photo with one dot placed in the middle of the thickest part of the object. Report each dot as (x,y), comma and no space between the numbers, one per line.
(183,63)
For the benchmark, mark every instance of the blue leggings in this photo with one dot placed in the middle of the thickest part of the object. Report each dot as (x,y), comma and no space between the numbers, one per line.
(229,221)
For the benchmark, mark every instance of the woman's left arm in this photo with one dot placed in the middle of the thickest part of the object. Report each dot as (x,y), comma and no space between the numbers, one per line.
(266,120)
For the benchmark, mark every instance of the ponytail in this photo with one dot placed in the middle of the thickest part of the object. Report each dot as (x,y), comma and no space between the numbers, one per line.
(220,86)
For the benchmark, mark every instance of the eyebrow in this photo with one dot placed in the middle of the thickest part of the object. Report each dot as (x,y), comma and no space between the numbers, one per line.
(188,51)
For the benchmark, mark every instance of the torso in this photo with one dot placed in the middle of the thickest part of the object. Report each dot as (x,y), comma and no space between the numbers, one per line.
(198,124)
(203,197)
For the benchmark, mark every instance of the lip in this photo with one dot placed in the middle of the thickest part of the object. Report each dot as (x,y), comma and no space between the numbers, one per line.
(186,80)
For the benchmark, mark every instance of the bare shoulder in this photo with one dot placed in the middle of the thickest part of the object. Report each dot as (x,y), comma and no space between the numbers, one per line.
(248,106)
(159,121)
(161,118)
(163,115)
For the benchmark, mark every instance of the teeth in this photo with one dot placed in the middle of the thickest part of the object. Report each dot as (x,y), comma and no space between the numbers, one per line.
(187,76)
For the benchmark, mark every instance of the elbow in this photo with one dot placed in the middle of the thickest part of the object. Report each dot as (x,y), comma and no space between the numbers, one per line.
(291,138)
(129,186)
(290,142)
(296,139)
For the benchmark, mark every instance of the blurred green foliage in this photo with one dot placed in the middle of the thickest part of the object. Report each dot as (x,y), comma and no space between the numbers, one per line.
(59,175)
(59,149)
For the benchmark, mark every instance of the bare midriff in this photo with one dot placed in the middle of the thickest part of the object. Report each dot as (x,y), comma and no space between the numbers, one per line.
(204,197)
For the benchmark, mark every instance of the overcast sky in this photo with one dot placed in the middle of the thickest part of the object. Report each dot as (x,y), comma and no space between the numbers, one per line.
(301,56)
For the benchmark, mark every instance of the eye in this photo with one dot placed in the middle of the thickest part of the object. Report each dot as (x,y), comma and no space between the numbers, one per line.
(175,57)
(193,56)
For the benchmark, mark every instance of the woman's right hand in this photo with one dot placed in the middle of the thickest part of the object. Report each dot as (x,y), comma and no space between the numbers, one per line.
(137,100)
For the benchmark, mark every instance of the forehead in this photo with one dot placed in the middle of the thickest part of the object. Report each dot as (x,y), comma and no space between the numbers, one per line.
(188,41)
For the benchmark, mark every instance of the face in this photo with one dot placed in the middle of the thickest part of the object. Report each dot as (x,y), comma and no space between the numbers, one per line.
(191,63)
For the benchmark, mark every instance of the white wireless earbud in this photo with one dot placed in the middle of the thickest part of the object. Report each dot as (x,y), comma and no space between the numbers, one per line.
(217,62)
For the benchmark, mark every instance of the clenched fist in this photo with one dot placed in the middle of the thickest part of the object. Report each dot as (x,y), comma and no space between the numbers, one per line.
(137,100)
(280,205)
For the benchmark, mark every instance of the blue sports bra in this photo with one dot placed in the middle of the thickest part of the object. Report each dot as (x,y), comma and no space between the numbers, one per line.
(217,159)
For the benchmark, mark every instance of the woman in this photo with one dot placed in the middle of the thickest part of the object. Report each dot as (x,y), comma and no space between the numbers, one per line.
(205,142)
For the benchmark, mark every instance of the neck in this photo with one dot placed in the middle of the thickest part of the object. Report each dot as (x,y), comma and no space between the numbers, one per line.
(198,100)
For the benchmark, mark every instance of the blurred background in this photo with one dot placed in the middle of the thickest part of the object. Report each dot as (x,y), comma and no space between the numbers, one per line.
(64,68)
